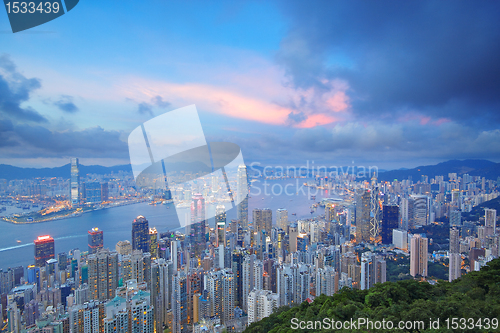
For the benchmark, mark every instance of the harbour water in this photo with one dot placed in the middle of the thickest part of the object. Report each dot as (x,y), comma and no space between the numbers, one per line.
(116,223)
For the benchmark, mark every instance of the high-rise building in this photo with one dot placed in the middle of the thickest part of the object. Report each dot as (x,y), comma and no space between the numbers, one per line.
(418,256)
(93,192)
(261,304)
(197,227)
(44,250)
(75,182)
(455,262)
(454,240)
(326,281)
(282,218)
(242,196)
(375,211)
(103,274)
(455,269)
(363,217)
(140,234)
(490,219)
(179,303)
(220,222)
(455,218)
(136,266)
(390,216)
(123,247)
(96,240)
(421,210)
(153,242)
(262,220)
(292,237)
(400,239)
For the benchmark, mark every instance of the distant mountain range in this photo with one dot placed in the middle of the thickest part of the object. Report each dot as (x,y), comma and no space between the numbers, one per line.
(483,168)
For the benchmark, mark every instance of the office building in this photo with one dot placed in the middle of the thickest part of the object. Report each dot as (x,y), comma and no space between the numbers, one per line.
(363,216)
(261,304)
(220,222)
(262,220)
(96,240)
(400,239)
(180,303)
(153,243)
(242,196)
(490,219)
(418,256)
(93,193)
(421,210)
(75,182)
(103,274)
(197,227)
(390,216)
(140,234)
(282,218)
(44,250)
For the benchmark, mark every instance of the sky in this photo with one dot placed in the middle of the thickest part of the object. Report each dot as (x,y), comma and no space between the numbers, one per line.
(389,83)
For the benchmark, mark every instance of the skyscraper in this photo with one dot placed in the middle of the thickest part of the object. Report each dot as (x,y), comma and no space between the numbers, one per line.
(421,210)
(220,221)
(281,218)
(363,217)
(390,215)
(375,211)
(75,182)
(179,303)
(455,262)
(103,274)
(140,234)
(96,240)
(44,250)
(490,219)
(242,196)
(262,220)
(197,227)
(93,193)
(153,242)
(418,256)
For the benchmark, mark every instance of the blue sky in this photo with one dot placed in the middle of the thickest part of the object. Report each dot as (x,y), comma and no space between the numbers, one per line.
(393,84)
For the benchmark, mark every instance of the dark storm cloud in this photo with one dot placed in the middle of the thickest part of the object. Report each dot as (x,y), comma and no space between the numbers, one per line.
(437,58)
(66,104)
(14,90)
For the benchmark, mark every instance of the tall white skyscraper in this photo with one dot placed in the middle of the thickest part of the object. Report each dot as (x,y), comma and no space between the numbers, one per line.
(261,304)
(282,218)
(490,218)
(418,256)
(75,182)
(421,210)
(242,196)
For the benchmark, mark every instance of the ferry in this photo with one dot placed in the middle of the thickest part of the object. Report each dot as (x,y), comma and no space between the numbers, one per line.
(18,241)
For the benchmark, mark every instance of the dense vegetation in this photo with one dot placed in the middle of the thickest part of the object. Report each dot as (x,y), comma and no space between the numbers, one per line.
(475,296)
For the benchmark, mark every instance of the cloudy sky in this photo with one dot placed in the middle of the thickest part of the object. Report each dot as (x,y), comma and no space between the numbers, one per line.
(393,84)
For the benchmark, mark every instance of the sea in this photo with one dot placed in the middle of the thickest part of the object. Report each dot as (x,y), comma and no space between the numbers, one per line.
(16,240)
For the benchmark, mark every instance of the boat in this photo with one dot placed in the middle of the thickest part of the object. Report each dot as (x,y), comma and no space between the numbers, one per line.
(18,241)
(294,214)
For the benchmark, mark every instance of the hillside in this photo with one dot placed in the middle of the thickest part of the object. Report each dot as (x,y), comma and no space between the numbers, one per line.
(483,168)
(476,296)
(478,211)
